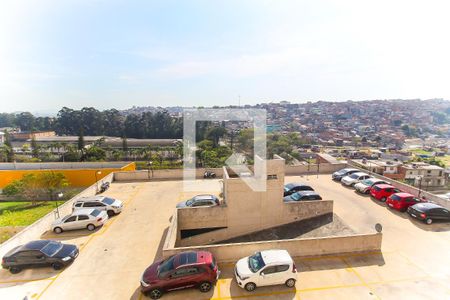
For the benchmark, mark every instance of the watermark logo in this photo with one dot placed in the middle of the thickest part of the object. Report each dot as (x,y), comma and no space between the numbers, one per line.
(256,178)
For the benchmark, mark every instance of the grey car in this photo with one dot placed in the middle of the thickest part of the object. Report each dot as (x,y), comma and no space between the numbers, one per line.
(302,196)
(200,200)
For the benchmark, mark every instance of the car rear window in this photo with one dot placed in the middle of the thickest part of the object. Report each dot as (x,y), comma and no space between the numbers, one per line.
(95,212)
(396,198)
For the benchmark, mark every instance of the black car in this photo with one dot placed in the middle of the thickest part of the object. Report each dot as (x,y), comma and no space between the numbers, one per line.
(302,196)
(39,254)
(338,175)
(429,212)
(293,187)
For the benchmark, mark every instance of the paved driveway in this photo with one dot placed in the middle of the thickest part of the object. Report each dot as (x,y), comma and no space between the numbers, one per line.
(413,264)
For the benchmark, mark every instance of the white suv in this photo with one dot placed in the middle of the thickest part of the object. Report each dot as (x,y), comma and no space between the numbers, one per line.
(269,267)
(110,205)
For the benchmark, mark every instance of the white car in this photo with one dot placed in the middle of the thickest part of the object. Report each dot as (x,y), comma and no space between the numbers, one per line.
(354,178)
(365,185)
(269,267)
(80,219)
(110,205)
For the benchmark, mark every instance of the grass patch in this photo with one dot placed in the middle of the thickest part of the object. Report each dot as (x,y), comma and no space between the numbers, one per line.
(23,213)
(444,159)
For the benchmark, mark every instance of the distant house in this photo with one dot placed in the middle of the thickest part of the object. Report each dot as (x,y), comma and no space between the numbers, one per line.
(423,174)
(2,138)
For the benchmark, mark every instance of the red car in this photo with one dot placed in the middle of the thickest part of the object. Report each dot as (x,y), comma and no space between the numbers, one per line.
(383,191)
(401,201)
(184,270)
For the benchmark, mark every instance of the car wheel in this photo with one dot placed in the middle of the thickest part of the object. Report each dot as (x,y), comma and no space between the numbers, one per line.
(205,287)
(290,282)
(383,199)
(57,230)
(250,287)
(429,221)
(15,270)
(57,266)
(110,213)
(90,227)
(155,293)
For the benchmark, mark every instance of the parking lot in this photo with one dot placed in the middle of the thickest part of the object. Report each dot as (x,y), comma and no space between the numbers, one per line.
(413,264)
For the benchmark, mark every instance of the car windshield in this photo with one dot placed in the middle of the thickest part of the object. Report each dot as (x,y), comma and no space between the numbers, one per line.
(368,182)
(108,201)
(354,176)
(51,248)
(95,212)
(166,266)
(295,196)
(342,172)
(256,262)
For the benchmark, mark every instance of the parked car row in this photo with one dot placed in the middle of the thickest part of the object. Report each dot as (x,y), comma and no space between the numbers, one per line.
(87,213)
(395,198)
(198,269)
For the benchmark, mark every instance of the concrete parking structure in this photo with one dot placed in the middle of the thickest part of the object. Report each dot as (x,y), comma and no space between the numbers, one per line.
(413,263)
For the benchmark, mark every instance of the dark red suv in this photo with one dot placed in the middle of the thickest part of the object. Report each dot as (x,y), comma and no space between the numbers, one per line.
(184,270)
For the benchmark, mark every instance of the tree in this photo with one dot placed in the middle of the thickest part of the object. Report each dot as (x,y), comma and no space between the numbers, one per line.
(25,121)
(215,133)
(8,147)
(35,148)
(52,181)
(31,187)
(81,139)
(94,153)
(27,188)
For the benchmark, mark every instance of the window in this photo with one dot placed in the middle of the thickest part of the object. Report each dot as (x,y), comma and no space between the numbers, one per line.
(271,177)
(282,268)
(91,204)
(269,270)
(185,272)
(429,172)
(83,217)
(71,219)
(78,204)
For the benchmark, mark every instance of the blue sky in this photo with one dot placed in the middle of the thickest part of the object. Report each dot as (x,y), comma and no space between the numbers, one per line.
(163,53)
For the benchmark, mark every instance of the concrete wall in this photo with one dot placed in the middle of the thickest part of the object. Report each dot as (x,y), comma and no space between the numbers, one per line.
(35,230)
(202,217)
(296,247)
(312,168)
(168,174)
(176,174)
(407,188)
(285,213)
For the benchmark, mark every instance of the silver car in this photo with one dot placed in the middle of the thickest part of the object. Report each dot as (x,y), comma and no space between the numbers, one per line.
(110,205)
(80,219)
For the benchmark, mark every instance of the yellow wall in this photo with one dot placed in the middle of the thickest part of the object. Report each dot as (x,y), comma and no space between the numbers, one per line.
(76,178)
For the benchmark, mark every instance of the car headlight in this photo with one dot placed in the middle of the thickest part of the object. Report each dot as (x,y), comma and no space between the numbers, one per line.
(66,258)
